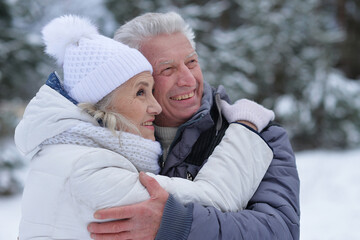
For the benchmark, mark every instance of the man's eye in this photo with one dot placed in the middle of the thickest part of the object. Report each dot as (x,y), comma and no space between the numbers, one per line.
(191,63)
(141,92)
(167,71)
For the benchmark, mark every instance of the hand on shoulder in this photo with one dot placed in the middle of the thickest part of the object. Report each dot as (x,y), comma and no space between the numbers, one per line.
(247,111)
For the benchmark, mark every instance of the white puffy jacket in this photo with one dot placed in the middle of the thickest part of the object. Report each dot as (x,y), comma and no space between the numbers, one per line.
(67,183)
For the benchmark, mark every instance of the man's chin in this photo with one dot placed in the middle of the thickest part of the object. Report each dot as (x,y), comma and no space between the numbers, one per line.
(176,117)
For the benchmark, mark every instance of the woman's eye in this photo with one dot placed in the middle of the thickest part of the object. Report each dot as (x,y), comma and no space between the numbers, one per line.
(141,92)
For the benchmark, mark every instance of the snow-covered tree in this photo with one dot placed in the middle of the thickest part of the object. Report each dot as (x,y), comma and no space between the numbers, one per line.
(20,57)
(348,12)
(24,67)
(10,165)
(282,54)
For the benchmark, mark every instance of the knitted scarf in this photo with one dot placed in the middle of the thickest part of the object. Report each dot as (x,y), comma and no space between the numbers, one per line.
(141,152)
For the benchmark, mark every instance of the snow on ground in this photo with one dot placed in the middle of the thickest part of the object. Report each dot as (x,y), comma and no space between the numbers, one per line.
(330,195)
(9,217)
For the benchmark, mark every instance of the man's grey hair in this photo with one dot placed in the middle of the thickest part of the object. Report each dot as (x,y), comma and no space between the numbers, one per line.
(148,25)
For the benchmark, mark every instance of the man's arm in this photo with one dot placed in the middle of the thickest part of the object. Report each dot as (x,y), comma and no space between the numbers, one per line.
(272,213)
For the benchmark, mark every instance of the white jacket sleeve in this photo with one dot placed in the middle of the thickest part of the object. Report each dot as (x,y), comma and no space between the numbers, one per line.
(103,179)
(231,175)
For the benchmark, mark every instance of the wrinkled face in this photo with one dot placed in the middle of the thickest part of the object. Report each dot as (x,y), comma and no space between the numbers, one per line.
(134,100)
(178,77)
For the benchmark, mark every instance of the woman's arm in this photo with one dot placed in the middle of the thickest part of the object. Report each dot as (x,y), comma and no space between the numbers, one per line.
(231,175)
(103,179)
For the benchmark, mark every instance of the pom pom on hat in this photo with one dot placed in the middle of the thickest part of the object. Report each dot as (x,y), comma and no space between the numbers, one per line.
(94,65)
(64,31)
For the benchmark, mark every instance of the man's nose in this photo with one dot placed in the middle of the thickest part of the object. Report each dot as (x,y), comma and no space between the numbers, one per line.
(185,77)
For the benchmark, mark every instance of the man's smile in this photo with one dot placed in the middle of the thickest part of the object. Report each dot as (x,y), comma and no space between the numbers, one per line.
(183,97)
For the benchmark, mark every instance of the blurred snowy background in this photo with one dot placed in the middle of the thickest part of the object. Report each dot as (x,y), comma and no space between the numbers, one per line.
(300,58)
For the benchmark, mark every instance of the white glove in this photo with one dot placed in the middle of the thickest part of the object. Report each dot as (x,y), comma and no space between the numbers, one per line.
(246,110)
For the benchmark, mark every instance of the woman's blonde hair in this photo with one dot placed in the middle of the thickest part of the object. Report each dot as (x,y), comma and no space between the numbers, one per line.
(102,113)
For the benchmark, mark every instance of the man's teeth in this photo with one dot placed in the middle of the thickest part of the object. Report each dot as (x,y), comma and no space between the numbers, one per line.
(182,97)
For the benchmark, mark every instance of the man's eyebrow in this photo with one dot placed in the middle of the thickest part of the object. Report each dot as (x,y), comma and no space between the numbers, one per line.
(166,62)
(171,61)
(190,55)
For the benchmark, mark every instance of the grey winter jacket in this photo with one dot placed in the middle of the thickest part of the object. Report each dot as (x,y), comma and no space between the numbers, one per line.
(272,213)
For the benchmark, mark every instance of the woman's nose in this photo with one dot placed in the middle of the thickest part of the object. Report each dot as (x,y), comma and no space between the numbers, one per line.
(154,107)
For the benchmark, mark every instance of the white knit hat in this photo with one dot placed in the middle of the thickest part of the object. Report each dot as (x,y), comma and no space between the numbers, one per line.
(94,65)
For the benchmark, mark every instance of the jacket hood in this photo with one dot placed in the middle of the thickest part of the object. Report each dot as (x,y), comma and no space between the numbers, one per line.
(47,115)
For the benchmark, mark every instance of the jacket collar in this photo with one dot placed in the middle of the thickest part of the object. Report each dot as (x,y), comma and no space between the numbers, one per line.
(53,81)
(209,96)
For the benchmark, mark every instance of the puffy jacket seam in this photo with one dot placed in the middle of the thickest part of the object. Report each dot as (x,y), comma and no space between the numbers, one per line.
(276,216)
(278,209)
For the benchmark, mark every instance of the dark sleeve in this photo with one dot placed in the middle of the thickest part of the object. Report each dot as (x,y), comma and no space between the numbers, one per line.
(272,213)
(176,221)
